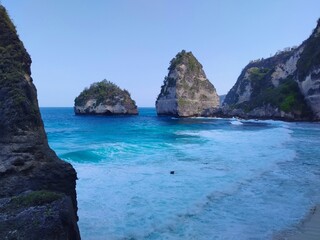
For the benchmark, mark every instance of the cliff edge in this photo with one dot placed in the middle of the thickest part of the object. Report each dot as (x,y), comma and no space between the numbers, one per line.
(186,91)
(37,194)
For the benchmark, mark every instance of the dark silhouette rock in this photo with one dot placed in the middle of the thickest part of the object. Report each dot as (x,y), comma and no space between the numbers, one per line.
(27,164)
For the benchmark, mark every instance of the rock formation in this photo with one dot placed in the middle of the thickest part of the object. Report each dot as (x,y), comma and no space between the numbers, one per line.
(285,86)
(105,98)
(186,91)
(37,193)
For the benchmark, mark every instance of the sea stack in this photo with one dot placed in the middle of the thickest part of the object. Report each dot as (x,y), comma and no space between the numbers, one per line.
(104,98)
(38,190)
(186,91)
(285,86)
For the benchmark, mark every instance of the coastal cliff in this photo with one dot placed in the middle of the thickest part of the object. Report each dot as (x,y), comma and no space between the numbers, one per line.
(285,86)
(105,98)
(186,91)
(37,194)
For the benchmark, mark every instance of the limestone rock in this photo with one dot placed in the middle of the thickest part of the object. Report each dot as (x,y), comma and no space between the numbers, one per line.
(308,71)
(186,91)
(26,161)
(105,98)
(285,86)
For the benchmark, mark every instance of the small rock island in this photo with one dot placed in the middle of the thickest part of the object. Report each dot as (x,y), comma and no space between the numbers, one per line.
(186,91)
(104,98)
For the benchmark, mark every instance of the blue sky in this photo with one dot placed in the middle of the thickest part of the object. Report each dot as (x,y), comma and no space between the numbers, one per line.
(131,42)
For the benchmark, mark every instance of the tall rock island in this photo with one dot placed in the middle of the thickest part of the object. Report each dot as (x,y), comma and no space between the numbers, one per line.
(186,91)
(37,193)
(285,86)
(105,98)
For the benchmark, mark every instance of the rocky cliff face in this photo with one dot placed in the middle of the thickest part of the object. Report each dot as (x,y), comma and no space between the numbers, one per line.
(105,98)
(186,91)
(285,86)
(37,191)
(308,71)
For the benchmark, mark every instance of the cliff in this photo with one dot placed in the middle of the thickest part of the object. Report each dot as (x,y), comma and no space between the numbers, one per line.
(186,91)
(104,98)
(285,86)
(37,194)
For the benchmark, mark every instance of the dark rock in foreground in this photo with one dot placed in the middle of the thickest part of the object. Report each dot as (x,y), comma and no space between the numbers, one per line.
(285,86)
(186,91)
(37,193)
(38,215)
(105,98)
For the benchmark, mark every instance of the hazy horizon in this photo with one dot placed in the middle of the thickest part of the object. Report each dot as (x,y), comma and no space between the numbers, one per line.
(73,44)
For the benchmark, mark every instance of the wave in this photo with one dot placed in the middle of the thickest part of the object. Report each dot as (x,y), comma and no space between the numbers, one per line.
(83,156)
(236,122)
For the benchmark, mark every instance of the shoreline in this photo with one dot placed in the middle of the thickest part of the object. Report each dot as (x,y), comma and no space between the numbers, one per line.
(307,229)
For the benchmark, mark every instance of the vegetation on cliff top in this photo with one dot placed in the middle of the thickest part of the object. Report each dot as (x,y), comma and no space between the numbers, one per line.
(15,92)
(186,58)
(193,67)
(287,96)
(310,57)
(102,92)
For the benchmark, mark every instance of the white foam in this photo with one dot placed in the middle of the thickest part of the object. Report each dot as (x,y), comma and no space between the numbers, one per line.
(236,122)
(229,183)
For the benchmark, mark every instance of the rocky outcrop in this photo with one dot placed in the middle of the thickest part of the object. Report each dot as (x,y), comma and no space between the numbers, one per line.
(105,98)
(37,193)
(285,86)
(186,91)
(308,71)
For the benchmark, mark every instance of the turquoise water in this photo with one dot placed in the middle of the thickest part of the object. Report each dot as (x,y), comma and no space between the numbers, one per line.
(233,179)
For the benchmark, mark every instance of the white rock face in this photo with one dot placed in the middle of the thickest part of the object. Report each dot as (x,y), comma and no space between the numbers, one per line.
(102,109)
(246,94)
(310,88)
(283,70)
(186,91)
(289,88)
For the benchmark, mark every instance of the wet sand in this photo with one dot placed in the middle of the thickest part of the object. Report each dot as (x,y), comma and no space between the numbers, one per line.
(308,229)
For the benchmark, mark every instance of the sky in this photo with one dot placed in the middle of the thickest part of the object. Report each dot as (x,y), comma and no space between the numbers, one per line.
(74,43)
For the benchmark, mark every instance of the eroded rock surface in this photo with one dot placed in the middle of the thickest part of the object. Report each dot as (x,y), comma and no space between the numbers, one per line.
(285,86)
(186,91)
(27,164)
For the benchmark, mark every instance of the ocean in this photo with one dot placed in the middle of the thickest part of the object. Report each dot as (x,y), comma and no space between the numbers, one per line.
(233,179)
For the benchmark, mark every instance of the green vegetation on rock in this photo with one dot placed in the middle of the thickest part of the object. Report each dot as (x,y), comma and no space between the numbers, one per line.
(15,81)
(193,67)
(186,58)
(310,57)
(287,97)
(257,74)
(35,198)
(104,91)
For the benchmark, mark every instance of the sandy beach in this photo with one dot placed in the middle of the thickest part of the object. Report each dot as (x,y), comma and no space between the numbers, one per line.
(308,229)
